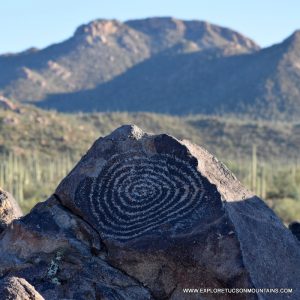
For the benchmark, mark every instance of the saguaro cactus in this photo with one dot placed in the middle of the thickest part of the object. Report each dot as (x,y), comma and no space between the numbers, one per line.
(254,169)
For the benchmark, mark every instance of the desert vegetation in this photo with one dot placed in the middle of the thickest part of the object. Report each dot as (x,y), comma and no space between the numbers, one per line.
(39,148)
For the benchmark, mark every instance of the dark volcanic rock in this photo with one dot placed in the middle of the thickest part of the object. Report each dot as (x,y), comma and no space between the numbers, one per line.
(9,209)
(144,217)
(295,229)
(62,256)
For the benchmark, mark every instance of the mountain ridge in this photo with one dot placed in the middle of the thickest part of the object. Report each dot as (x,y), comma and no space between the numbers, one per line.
(158,64)
(264,84)
(97,52)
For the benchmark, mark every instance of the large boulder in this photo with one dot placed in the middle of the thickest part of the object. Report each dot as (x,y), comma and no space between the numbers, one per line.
(148,217)
(9,209)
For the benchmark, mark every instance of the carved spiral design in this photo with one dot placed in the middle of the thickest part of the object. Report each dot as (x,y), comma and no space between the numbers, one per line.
(135,194)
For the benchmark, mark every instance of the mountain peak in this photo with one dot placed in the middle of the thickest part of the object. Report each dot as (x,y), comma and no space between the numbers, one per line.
(205,34)
(296,34)
(158,25)
(293,39)
(156,21)
(100,28)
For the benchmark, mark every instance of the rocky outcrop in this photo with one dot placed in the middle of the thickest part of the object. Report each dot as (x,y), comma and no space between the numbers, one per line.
(18,289)
(145,217)
(9,209)
(62,256)
(6,104)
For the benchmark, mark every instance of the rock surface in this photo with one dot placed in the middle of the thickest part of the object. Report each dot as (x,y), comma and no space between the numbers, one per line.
(6,104)
(144,217)
(19,289)
(295,229)
(9,209)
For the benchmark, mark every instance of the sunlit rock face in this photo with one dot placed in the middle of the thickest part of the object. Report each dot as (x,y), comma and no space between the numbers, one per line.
(19,289)
(145,216)
(9,209)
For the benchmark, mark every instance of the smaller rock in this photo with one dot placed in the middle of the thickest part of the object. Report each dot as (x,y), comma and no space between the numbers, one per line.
(15,288)
(9,209)
(294,227)
(6,104)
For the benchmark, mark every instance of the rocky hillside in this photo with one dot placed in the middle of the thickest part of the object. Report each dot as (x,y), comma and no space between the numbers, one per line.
(25,129)
(162,65)
(264,84)
(103,49)
(39,146)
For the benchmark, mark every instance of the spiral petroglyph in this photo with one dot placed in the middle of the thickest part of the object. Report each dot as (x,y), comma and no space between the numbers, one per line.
(135,194)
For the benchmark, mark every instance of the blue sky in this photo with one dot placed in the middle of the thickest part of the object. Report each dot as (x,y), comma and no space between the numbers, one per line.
(27,23)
